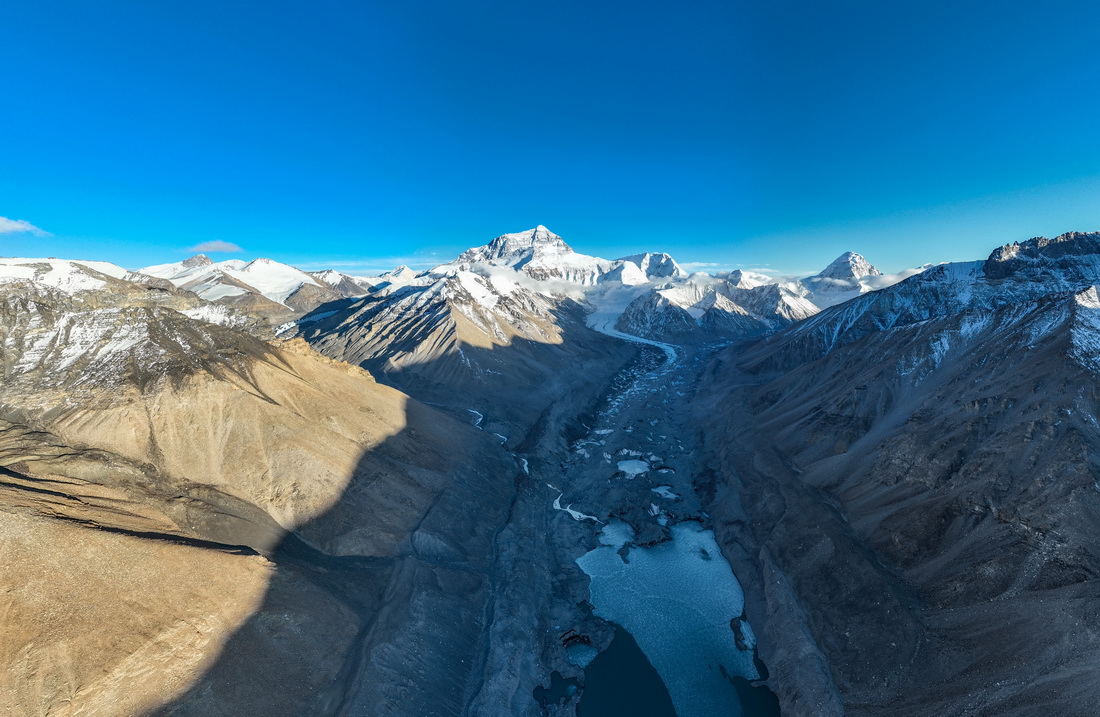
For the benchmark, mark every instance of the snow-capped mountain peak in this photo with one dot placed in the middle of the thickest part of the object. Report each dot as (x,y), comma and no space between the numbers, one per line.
(849,266)
(656,265)
(402,273)
(538,253)
(197,260)
(263,280)
(848,276)
(511,248)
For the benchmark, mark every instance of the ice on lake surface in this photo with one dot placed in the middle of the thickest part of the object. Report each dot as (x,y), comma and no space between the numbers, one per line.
(677,599)
(616,534)
(633,467)
(581,655)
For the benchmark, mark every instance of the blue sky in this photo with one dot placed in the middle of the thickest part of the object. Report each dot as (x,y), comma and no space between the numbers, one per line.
(764,134)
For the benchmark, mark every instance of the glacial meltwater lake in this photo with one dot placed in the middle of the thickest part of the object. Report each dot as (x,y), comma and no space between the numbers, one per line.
(676,599)
(620,681)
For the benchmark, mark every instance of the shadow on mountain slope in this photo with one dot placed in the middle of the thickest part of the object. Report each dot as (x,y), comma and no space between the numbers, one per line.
(383,604)
(395,622)
(440,359)
(927,518)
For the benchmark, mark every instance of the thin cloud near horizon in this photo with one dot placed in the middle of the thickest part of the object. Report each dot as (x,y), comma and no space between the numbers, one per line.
(216,245)
(699,264)
(16,226)
(350,266)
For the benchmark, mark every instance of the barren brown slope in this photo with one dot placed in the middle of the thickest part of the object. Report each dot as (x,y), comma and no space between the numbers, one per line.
(148,456)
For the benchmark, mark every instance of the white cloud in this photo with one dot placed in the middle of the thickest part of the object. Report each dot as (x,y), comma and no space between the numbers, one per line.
(15,226)
(884,280)
(761,269)
(215,245)
(690,265)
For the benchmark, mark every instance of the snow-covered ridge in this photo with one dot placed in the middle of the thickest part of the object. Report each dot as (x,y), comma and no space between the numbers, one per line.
(543,255)
(70,277)
(1021,275)
(288,288)
(646,294)
(649,295)
(68,336)
(1071,243)
(218,280)
(1070,258)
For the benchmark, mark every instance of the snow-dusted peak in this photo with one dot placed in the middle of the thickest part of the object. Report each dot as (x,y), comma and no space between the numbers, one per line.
(518,246)
(401,276)
(538,253)
(627,273)
(214,281)
(401,273)
(329,276)
(657,265)
(849,266)
(741,279)
(197,260)
(1008,251)
(273,279)
(847,277)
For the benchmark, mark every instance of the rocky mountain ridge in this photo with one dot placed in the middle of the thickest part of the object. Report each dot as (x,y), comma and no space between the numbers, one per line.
(645,295)
(922,457)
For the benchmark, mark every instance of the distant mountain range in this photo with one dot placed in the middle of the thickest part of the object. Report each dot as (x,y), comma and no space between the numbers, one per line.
(658,299)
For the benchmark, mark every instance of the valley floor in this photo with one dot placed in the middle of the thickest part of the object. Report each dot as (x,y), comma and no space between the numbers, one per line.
(630,458)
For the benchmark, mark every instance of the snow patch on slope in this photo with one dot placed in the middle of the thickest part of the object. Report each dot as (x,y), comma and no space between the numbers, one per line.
(1085,334)
(70,277)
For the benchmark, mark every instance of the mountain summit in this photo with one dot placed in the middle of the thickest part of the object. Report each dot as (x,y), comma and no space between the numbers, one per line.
(196,261)
(848,276)
(539,240)
(849,266)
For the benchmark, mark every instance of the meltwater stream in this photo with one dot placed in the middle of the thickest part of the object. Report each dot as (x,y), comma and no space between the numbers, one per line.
(677,599)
